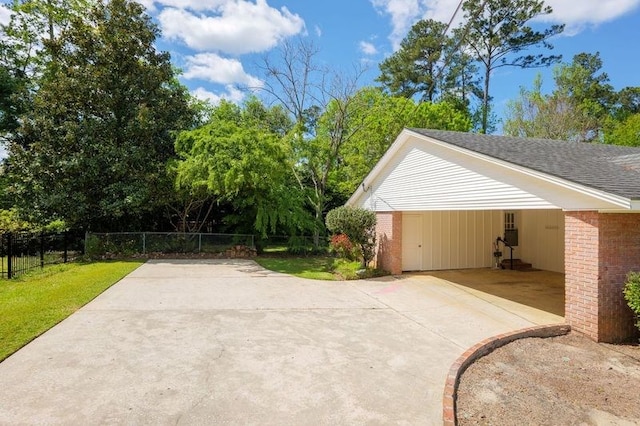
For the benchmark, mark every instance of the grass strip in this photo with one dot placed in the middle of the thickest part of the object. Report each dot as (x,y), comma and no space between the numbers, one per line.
(33,303)
(313,267)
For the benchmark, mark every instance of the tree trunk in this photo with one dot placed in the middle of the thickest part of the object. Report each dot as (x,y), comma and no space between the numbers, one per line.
(485,100)
(316,229)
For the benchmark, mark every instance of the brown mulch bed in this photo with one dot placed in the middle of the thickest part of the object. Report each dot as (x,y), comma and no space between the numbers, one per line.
(565,380)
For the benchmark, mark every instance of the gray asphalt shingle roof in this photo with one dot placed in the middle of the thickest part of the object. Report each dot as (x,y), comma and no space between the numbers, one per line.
(610,168)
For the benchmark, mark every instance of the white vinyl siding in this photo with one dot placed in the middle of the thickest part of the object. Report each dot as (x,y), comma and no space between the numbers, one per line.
(421,176)
(423,181)
(542,239)
(456,239)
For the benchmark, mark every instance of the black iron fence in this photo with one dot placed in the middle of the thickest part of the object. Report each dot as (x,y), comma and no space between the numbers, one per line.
(23,251)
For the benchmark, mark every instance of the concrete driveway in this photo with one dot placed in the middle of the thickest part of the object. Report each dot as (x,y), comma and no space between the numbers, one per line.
(226,342)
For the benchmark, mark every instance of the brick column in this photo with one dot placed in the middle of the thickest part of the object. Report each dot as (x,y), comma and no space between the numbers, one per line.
(599,251)
(389,240)
(619,254)
(581,271)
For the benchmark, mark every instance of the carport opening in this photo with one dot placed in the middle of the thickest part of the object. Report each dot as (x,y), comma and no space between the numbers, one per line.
(543,290)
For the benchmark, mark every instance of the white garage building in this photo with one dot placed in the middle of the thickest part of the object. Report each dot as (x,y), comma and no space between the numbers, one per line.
(443,198)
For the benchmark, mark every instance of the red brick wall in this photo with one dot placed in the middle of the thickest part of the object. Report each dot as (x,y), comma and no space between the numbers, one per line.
(581,271)
(389,241)
(599,251)
(619,254)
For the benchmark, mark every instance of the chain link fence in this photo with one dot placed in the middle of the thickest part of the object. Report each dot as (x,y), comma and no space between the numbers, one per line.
(296,245)
(21,252)
(150,244)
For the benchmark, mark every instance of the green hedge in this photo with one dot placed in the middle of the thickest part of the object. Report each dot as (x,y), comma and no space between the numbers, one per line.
(632,294)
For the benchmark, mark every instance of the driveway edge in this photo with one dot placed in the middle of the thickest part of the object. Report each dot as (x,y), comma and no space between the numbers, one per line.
(481,349)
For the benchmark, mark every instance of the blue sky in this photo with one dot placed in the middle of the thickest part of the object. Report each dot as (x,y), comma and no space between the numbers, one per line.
(217,43)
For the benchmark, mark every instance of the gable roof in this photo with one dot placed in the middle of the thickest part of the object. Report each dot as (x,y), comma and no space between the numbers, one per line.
(444,170)
(610,168)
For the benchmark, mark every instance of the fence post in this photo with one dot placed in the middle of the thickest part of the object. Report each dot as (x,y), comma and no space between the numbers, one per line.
(65,243)
(42,250)
(9,255)
(199,242)
(86,237)
(144,243)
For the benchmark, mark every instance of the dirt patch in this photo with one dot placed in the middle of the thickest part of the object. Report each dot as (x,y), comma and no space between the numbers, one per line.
(566,380)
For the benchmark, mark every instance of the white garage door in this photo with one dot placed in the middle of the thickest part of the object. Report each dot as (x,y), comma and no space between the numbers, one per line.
(449,239)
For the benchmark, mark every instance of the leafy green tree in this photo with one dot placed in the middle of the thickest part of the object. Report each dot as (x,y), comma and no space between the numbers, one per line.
(415,67)
(318,156)
(93,149)
(188,208)
(626,132)
(583,106)
(589,92)
(538,115)
(431,66)
(359,225)
(320,103)
(12,101)
(460,81)
(631,291)
(497,32)
(32,23)
(23,55)
(627,102)
(10,221)
(238,159)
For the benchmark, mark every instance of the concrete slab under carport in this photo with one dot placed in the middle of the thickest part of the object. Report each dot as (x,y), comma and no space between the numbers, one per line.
(537,289)
(226,342)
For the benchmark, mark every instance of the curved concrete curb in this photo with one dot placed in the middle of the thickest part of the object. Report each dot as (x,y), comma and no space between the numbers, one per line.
(481,349)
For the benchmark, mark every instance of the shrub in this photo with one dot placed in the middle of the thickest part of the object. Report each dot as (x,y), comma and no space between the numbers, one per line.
(359,225)
(632,294)
(93,247)
(343,247)
(297,245)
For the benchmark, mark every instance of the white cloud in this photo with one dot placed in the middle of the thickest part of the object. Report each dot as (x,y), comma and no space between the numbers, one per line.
(197,5)
(586,13)
(5,14)
(232,95)
(403,13)
(229,26)
(216,69)
(368,48)
(575,14)
(148,4)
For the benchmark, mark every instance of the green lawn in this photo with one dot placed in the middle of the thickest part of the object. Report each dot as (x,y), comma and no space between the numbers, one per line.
(33,303)
(312,267)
